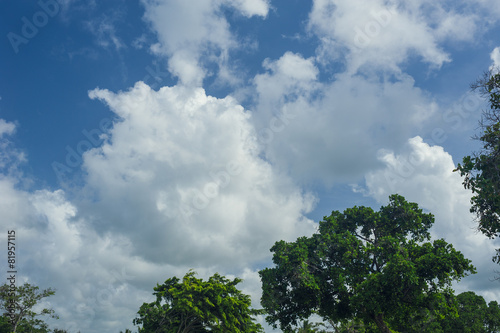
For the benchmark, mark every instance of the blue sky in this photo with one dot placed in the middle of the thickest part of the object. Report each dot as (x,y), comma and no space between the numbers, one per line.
(141,139)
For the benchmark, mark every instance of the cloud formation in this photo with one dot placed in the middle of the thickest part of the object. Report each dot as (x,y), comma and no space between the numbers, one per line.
(194,34)
(181,172)
(381,35)
(332,131)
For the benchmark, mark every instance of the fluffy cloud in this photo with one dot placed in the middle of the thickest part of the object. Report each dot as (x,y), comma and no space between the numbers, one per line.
(250,8)
(190,31)
(424,174)
(287,79)
(327,132)
(182,174)
(384,34)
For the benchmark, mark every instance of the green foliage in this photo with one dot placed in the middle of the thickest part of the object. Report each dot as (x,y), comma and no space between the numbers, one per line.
(481,171)
(354,326)
(465,313)
(5,326)
(194,305)
(379,267)
(348,326)
(427,319)
(474,315)
(492,320)
(309,327)
(19,302)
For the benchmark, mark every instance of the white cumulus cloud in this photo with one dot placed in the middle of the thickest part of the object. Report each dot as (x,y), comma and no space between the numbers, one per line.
(190,33)
(330,131)
(384,34)
(182,174)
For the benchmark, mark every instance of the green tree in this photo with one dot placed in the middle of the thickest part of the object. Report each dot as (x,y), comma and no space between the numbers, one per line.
(492,321)
(474,315)
(17,304)
(472,310)
(194,305)
(481,171)
(379,267)
(465,313)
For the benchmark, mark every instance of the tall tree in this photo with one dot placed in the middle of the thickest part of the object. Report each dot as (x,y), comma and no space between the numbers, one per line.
(18,304)
(194,305)
(481,171)
(376,266)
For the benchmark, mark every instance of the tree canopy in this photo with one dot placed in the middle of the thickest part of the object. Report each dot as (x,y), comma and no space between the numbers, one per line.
(474,315)
(18,303)
(194,305)
(481,171)
(380,267)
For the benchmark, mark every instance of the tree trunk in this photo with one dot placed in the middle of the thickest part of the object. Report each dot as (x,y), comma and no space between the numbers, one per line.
(382,326)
